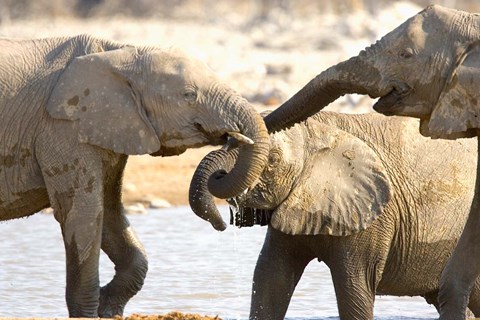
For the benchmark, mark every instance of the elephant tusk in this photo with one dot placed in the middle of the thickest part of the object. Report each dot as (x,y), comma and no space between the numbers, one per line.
(240,137)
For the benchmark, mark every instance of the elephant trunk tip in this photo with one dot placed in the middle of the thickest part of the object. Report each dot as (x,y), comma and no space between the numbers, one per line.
(218,225)
(203,205)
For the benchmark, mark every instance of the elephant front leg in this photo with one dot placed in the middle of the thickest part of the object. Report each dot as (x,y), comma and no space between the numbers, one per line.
(74,183)
(279,268)
(463,267)
(124,249)
(462,270)
(82,231)
(82,254)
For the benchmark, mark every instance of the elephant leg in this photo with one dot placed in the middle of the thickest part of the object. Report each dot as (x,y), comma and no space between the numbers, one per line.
(73,178)
(474,301)
(279,267)
(82,254)
(355,286)
(457,287)
(122,246)
(473,310)
(124,249)
(463,267)
(80,218)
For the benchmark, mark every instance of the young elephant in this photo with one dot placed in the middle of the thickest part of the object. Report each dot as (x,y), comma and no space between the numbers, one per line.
(428,68)
(380,204)
(72,110)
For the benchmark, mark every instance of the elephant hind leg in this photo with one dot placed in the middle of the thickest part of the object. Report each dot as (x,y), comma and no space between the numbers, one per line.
(354,300)
(76,197)
(355,281)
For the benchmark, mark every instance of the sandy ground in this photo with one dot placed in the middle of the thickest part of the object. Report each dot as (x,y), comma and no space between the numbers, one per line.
(267,59)
(170,316)
(174,315)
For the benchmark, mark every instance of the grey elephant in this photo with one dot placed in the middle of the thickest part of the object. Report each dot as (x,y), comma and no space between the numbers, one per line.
(428,68)
(72,110)
(368,195)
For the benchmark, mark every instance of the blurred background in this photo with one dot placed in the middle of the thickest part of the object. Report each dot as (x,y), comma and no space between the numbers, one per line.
(197,9)
(267,49)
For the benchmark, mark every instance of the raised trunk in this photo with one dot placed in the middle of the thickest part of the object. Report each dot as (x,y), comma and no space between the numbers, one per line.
(252,158)
(201,200)
(351,76)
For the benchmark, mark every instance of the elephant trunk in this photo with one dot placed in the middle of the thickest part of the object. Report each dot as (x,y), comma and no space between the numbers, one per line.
(355,75)
(252,158)
(201,200)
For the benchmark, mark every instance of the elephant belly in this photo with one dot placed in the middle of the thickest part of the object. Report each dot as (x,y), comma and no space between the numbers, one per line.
(22,190)
(416,273)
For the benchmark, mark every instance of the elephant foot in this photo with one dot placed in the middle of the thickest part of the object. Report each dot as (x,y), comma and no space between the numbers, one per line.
(108,307)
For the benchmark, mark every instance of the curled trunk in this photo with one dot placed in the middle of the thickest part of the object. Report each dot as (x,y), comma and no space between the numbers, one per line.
(352,76)
(252,158)
(201,200)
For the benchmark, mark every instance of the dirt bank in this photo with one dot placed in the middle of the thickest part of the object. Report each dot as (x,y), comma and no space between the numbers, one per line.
(174,315)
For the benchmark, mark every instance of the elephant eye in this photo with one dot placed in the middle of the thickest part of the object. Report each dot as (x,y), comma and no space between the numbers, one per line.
(406,53)
(190,96)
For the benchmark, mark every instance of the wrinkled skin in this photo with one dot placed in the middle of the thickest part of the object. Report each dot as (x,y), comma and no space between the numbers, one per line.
(72,110)
(428,68)
(411,198)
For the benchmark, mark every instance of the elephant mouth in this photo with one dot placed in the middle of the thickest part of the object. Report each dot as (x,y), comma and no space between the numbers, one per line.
(168,151)
(223,136)
(390,103)
(213,138)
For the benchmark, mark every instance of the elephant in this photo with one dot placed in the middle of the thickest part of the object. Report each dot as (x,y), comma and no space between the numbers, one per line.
(381,205)
(71,111)
(427,68)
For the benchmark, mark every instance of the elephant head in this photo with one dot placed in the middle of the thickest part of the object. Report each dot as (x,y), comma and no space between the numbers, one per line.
(160,102)
(428,68)
(319,180)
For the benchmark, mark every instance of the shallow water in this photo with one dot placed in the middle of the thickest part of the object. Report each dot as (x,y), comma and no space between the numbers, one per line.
(192,268)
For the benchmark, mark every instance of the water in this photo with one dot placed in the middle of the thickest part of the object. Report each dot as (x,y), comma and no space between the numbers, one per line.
(192,268)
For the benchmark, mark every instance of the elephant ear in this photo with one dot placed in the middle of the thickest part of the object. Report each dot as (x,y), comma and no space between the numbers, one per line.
(457,112)
(342,189)
(95,92)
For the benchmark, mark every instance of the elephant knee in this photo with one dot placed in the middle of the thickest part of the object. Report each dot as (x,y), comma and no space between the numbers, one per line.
(133,273)
(140,269)
(127,282)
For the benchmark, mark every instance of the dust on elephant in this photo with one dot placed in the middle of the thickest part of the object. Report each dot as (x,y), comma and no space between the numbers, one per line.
(72,110)
(428,68)
(368,195)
